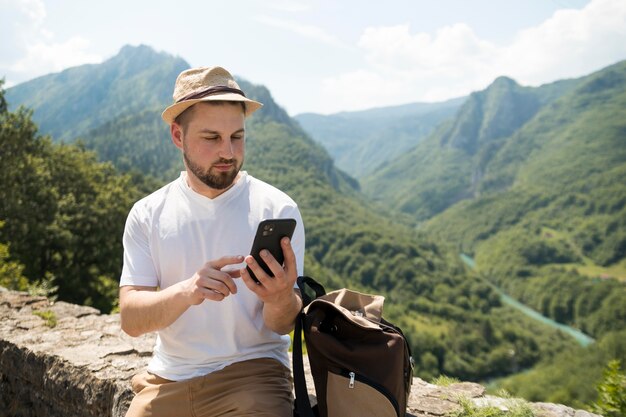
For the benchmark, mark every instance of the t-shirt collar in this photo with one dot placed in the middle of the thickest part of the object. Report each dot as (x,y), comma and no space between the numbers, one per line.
(226,195)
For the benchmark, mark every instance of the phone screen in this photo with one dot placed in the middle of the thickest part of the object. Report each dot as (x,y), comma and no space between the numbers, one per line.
(268,236)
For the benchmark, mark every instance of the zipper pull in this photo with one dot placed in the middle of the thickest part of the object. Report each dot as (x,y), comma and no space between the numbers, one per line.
(352,377)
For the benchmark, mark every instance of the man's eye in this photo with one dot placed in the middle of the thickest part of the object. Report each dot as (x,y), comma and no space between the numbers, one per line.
(237,137)
(211,138)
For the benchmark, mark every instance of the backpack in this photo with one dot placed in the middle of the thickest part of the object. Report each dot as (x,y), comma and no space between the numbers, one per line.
(361,364)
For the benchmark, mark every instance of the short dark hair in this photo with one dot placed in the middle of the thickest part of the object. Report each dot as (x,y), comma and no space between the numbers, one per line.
(183,118)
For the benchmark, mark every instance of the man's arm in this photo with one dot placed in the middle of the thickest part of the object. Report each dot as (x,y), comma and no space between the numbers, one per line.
(144,310)
(281,316)
(281,304)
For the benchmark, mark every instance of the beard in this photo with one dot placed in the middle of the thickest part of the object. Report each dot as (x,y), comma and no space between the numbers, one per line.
(215,180)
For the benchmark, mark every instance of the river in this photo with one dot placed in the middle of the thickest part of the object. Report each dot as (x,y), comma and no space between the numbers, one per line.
(580,337)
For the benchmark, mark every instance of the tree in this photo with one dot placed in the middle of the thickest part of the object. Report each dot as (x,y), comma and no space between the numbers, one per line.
(611,392)
(64,212)
(10,271)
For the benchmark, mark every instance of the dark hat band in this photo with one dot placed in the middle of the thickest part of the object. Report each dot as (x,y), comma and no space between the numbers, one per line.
(211,91)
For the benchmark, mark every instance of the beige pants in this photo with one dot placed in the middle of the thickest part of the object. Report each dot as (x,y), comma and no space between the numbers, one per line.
(258,387)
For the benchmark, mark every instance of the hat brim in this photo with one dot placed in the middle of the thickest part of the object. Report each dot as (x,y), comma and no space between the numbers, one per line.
(173,111)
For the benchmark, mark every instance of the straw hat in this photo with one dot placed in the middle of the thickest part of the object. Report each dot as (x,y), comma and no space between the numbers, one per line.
(205,84)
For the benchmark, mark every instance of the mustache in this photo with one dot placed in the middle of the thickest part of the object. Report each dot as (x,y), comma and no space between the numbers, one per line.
(225,161)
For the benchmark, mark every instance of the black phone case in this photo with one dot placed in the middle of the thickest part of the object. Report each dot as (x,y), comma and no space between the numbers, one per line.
(268,236)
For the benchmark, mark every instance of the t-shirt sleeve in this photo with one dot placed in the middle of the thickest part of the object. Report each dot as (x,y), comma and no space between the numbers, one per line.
(138,266)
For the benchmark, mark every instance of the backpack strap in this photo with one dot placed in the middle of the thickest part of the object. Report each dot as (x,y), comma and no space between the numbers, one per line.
(317,288)
(303,405)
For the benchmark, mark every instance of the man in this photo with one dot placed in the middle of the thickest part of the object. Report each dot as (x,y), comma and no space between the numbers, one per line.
(222,340)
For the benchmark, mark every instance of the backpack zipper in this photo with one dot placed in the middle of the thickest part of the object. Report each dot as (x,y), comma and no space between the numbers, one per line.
(353,377)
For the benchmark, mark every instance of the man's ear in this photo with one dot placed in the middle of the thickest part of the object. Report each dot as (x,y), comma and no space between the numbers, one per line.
(176,131)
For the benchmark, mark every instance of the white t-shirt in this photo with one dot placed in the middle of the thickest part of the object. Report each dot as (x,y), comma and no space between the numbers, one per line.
(170,235)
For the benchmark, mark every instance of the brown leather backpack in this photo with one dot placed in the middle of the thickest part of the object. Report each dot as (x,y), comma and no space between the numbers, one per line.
(361,364)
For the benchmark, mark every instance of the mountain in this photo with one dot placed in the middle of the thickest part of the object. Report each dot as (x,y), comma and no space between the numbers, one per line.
(558,181)
(541,207)
(567,162)
(453,319)
(361,141)
(530,183)
(70,103)
(449,165)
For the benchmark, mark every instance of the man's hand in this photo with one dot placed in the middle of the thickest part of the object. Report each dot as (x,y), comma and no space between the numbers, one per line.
(211,282)
(144,310)
(281,303)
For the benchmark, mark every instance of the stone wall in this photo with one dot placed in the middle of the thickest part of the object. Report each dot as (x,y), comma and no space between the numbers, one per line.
(81,366)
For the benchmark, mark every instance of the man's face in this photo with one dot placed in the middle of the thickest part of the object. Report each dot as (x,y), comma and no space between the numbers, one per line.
(213,144)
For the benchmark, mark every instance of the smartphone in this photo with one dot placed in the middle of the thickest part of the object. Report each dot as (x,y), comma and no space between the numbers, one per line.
(268,236)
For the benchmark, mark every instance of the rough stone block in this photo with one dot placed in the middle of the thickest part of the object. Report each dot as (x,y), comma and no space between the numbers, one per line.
(60,359)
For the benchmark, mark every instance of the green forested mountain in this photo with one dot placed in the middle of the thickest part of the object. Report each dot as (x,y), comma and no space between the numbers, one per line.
(559,179)
(361,141)
(449,165)
(453,319)
(70,103)
(531,183)
(545,220)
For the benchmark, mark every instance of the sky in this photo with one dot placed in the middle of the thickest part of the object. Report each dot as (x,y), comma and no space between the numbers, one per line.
(327,56)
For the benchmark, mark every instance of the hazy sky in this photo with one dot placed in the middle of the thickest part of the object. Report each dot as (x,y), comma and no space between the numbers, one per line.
(327,56)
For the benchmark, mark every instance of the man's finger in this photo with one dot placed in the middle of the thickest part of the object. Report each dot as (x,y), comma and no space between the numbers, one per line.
(225,260)
(212,295)
(227,280)
(289,254)
(256,269)
(217,280)
(250,283)
(272,263)
(234,273)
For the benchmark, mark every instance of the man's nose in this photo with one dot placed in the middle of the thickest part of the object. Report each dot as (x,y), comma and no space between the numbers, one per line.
(226,150)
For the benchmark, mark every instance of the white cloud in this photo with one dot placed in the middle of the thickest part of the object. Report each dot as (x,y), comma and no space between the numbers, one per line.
(29,49)
(404,66)
(395,49)
(569,44)
(55,56)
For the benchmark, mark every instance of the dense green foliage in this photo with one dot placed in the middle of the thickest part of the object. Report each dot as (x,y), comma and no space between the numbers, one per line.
(539,268)
(138,143)
(11,272)
(63,213)
(361,141)
(612,392)
(570,377)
